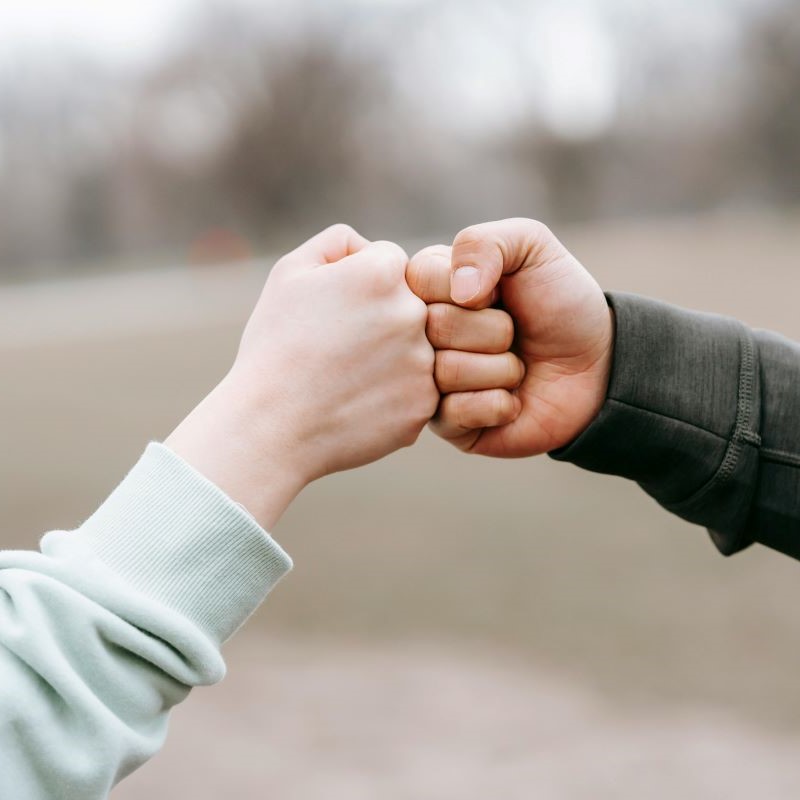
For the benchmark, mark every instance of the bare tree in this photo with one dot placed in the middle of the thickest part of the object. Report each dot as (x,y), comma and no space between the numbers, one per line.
(772,113)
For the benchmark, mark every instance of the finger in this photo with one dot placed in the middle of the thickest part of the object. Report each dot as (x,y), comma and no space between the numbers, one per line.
(483,253)
(327,247)
(428,276)
(381,265)
(461,417)
(454,328)
(455,371)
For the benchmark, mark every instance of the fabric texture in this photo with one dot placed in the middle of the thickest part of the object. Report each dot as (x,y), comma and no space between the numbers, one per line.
(703,413)
(110,625)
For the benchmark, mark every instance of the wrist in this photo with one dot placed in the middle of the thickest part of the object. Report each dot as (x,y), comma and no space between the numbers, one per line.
(595,382)
(606,360)
(601,369)
(239,443)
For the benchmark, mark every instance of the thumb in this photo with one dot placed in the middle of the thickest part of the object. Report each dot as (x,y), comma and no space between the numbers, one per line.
(483,253)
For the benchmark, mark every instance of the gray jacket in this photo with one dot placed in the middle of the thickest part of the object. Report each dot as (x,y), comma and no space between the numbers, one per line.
(704,414)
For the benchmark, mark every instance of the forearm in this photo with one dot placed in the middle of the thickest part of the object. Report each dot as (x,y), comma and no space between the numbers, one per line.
(702,412)
(237,439)
(109,626)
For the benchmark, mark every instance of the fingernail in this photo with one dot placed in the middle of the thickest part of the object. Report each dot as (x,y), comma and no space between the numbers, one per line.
(465,284)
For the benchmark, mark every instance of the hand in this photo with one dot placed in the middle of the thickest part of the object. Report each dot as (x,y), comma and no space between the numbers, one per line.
(564,337)
(334,371)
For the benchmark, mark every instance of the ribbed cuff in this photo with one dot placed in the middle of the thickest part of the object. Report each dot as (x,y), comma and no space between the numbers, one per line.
(177,538)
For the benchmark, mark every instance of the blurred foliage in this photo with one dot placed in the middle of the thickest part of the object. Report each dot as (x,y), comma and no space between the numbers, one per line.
(253,137)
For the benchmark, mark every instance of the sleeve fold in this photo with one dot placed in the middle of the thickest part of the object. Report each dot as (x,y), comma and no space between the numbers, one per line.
(175,537)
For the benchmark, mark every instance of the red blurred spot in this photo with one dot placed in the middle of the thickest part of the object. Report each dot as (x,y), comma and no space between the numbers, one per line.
(219,246)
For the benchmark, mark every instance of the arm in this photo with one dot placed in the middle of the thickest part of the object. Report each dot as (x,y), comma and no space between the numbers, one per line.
(109,626)
(698,409)
(704,414)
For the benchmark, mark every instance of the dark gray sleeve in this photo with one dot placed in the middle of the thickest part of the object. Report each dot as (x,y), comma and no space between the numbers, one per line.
(704,414)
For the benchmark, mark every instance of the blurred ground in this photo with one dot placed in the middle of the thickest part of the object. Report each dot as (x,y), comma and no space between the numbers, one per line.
(454,627)
(345,720)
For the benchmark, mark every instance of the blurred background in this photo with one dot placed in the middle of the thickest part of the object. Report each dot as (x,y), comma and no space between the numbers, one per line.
(453,627)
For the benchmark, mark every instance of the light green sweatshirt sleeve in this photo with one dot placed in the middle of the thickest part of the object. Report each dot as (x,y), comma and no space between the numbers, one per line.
(112,624)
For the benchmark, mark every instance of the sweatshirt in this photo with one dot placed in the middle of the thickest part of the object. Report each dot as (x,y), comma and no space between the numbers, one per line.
(704,414)
(107,627)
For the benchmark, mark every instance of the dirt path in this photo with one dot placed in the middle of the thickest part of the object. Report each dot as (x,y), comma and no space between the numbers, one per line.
(305,721)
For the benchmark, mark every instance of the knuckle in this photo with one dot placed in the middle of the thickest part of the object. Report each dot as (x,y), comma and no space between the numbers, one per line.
(469,235)
(460,411)
(432,251)
(533,229)
(440,324)
(340,230)
(424,267)
(534,226)
(421,359)
(447,368)
(433,400)
(429,402)
(414,274)
(499,405)
(516,369)
(505,325)
(541,241)
(427,358)
(406,438)
(447,413)
(419,311)
(383,275)
(411,312)
(389,262)
(412,431)
(542,230)
(393,253)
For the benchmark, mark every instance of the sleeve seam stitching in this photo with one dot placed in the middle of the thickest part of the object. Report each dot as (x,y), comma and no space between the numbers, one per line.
(742,434)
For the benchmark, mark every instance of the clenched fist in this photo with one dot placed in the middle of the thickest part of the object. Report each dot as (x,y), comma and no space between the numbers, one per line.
(533,394)
(333,371)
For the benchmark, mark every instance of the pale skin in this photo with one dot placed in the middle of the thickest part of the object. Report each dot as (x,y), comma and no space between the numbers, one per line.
(352,349)
(334,371)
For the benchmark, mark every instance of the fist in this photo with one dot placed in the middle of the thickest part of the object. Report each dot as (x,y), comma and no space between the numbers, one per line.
(533,394)
(333,371)
(336,352)
(475,370)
